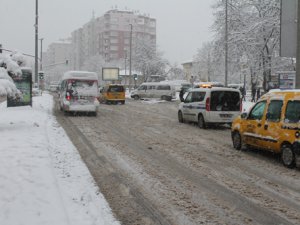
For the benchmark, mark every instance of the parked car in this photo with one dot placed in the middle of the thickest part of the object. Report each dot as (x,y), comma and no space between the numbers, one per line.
(112,93)
(273,124)
(207,106)
(154,90)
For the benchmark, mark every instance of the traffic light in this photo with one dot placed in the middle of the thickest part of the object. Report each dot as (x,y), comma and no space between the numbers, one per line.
(0,48)
(41,75)
(67,61)
(135,77)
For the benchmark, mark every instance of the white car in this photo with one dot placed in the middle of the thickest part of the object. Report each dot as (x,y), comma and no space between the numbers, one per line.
(216,105)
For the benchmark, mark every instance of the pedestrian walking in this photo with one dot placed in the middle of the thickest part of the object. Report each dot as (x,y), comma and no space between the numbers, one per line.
(257,94)
(253,93)
(181,93)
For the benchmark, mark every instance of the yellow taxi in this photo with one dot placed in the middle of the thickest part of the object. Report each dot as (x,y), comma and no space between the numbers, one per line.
(273,124)
(112,93)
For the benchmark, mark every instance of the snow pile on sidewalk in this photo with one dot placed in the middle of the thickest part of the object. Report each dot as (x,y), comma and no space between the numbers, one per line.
(42,177)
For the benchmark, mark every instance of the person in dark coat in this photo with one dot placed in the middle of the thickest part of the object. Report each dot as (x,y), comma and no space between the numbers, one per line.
(181,93)
(253,92)
(257,94)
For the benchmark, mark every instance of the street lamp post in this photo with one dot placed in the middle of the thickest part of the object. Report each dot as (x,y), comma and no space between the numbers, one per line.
(125,58)
(41,54)
(226,42)
(130,55)
(36,68)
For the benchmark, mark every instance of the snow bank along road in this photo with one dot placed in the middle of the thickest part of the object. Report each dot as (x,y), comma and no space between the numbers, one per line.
(153,170)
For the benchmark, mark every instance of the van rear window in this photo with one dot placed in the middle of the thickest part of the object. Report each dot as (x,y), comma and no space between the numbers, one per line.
(225,101)
(292,114)
(116,89)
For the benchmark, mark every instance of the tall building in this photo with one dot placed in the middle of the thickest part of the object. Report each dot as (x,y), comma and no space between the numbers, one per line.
(109,36)
(56,60)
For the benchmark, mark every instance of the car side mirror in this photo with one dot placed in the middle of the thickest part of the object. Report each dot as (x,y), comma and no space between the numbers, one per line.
(268,115)
(244,115)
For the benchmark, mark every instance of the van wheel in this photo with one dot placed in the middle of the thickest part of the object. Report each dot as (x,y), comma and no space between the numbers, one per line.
(288,156)
(201,122)
(165,98)
(136,97)
(180,117)
(236,140)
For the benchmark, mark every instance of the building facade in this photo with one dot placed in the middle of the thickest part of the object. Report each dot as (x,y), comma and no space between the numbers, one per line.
(109,36)
(57,60)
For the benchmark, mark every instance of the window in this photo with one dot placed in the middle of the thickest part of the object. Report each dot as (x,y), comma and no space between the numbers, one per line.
(142,87)
(274,110)
(163,87)
(198,96)
(225,101)
(188,98)
(116,89)
(151,88)
(292,114)
(113,48)
(258,111)
(114,40)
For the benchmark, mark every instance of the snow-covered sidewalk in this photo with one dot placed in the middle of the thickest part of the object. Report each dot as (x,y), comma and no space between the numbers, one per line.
(42,177)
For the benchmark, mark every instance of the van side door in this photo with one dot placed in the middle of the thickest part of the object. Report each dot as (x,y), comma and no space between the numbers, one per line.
(186,108)
(198,105)
(142,91)
(252,125)
(272,125)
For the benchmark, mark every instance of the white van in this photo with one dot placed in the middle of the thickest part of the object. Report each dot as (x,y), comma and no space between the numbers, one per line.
(78,92)
(154,90)
(216,105)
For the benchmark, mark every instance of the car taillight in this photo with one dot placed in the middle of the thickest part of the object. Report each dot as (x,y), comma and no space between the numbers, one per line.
(68,97)
(207,104)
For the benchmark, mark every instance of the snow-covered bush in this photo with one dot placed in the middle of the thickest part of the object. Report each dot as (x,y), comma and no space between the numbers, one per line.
(10,66)
(7,86)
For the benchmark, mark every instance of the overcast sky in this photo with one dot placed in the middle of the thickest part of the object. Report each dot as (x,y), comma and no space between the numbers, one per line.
(182,25)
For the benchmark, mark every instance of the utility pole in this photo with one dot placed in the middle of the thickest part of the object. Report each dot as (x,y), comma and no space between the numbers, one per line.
(36,68)
(130,57)
(226,42)
(298,50)
(41,54)
(125,58)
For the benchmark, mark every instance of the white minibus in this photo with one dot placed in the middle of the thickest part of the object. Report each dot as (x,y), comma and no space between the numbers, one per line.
(78,92)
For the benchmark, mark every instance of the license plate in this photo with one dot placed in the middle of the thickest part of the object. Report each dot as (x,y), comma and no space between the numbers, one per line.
(225,115)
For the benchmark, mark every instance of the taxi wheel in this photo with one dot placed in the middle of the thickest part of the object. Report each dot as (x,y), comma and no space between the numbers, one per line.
(201,122)
(288,156)
(180,117)
(123,102)
(236,140)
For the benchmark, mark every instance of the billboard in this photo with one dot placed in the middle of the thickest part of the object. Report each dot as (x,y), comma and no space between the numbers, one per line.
(287,80)
(110,73)
(24,86)
(288,28)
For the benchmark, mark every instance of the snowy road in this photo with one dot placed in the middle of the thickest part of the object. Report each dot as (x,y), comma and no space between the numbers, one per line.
(154,170)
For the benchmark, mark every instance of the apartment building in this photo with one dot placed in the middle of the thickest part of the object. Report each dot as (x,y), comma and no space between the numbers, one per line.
(56,59)
(109,36)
